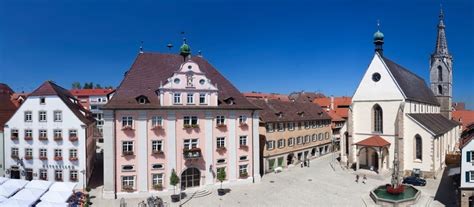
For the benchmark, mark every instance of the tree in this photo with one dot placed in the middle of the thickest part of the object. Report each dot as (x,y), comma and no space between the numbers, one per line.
(76,85)
(174,180)
(97,86)
(221,175)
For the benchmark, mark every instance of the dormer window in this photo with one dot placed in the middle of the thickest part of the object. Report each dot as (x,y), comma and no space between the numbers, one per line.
(279,114)
(142,100)
(177,98)
(301,113)
(42,100)
(229,100)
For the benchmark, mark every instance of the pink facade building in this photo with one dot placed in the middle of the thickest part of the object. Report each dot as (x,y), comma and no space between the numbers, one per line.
(174,112)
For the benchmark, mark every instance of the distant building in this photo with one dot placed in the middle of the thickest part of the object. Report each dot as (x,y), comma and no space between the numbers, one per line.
(467,167)
(457,106)
(50,137)
(259,95)
(465,117)
(177,113)
(337,108)
(292,132)
(305,97)
(8,106)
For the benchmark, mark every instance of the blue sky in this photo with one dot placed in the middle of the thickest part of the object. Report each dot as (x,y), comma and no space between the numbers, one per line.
(267,46)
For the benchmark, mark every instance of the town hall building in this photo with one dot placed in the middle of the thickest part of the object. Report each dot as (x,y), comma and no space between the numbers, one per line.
(392,104)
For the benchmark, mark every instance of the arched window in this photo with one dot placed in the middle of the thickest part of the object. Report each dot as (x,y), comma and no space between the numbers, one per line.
(440,73)
(418,147)
(440,89)
(377,119)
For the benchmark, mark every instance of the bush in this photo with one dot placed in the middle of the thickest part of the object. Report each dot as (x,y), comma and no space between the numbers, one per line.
(221,176)
(174,180)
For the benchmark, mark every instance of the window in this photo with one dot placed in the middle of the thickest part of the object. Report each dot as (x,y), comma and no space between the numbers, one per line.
(58,116)
(220,142)
(314,138)
(320,136)
(291,126)
(418,147)
(157,179)
(440,89)
(157,166)
(220,120)
(43,133)
(306,125)
(58,175)
(281,127)
(15,152)
(156,121)
(141,100)
(128,182)
(440,73)
(243,170)
(28,116)
(43,153)
(243,140)
(73,154)
(270,145)
(190,98)
(72,133)
(190,143)
(28,153)
(291,141)
(377,119)
(58,153)
(28,133)
(269,127)
(127,121)
(242,119)
(177,98)
(94,107)
(190,120)
(281,143)
(14,133)
(58,134)
(42,100)
(471,175)
(157,145)
(313,124)
(73,175)
(299,140)
(220,161)
(202,98)
(43,174)
(42,116)
(326,135)
(243,158)
(127,147)
(127,168)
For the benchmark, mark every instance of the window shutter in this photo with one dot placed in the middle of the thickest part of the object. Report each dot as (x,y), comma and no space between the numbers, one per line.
(468,156)
(468,176)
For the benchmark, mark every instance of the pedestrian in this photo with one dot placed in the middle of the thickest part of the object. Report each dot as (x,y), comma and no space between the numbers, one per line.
(357,178)
(308,163)
(301,164)
(364,179)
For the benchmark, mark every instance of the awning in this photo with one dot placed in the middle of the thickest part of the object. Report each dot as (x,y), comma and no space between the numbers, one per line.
(15,183)
(2,199)
(56,196)
(7,191)
(373,141)
(454,171)
(39,184)
(3,179)
(49,204)
(18,203)
(29,194)
(63,186)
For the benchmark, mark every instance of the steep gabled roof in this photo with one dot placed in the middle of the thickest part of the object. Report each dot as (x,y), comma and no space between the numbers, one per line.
(151,69)
(7,106)
(436,123)
(413,86)
(49,88)
(90,92)
(373,141)
(274,110)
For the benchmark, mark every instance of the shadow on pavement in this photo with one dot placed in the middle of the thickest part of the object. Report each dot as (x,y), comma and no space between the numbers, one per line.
(446,193)
(97,178)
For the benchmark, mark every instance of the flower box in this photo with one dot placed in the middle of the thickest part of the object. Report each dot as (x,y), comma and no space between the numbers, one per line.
(58,179)
(73,138)
(157,127)
(73,179)
(243,175)
(127,127)
(193,153)
(58,138)
(157,152)
(189,126)
(221,149)
(221,125)
(244,147)
(58,158)
(28,138)
(73,158)
(127,188)
(195,126)
(43,178)
(43,158)
(125,153)
(14,137)
(28,157)
(43,138)
(158,187)
(14,156)
(243,123)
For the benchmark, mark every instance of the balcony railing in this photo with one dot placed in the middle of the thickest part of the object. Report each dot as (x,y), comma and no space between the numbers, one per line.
(127,127)
(221,125)
(189,126)
(244,147)
(193,153)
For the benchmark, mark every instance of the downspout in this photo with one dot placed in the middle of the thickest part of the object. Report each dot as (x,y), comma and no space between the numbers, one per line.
(115,153)
(253,150)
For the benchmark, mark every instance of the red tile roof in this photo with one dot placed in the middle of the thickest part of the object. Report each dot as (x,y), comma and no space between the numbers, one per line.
(374,141)
(90,92)
(340,104)
(466,117)
(259,95)
(467,135)
(274,110)
(7,106)
(335,116)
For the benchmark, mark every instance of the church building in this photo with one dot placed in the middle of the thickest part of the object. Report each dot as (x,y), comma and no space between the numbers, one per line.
(394,114)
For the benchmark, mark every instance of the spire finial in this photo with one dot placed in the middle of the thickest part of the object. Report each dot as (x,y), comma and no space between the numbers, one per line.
(441,13)
(378,39)
(185,50)
(378,24)
(141,46)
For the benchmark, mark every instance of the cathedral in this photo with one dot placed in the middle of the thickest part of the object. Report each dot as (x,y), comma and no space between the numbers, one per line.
(395,116)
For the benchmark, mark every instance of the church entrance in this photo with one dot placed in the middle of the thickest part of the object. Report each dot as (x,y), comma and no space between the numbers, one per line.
(191,177)
(370,153)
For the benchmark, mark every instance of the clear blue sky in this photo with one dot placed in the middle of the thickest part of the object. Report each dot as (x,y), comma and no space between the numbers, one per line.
(268,46)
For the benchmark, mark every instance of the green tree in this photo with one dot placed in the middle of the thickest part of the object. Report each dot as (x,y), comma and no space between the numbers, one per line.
(221,175)
(174,180)
(97,86)
(76,85)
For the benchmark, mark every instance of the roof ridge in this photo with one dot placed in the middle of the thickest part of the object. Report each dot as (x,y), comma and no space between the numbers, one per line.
(403,68)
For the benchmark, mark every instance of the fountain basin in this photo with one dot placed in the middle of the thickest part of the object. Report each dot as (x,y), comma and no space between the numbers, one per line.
(408,197)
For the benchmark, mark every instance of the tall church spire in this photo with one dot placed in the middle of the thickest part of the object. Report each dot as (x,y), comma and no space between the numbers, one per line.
(441,43)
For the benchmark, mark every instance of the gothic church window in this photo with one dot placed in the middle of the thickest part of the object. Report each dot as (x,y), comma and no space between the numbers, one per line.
(440,73)
(377,118)
(440,89)
(418,147)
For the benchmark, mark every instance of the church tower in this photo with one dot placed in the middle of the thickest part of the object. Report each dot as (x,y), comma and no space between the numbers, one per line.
(441,70)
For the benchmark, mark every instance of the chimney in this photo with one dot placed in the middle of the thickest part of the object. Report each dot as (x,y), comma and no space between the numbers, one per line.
(332,102)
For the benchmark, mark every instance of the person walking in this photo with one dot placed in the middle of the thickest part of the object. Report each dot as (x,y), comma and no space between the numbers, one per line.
(364,179)
(357,178)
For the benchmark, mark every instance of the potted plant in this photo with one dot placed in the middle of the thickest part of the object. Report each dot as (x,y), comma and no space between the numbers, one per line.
(158,187)
(244,175)
(174,180)
(221,177)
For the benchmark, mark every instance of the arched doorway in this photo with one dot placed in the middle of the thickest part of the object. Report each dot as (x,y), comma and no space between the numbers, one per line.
(191,177)
(289,159)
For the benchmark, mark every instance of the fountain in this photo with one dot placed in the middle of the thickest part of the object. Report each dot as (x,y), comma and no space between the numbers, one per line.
(395,194)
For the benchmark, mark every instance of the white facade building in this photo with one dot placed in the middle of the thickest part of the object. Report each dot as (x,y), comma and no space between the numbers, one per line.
(467,166)
(50,137)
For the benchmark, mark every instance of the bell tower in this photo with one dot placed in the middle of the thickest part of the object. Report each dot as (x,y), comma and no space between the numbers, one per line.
(441,70)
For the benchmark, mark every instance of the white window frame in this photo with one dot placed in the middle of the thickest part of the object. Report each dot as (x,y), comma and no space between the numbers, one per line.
(190,120)
(157,145)
(42,116)
(291,126)
(202,98)
(220,120)
(127,121)
(72,153)
(157,178)
(242,119)
(281,127)
(281,143)
(156,121)
(28,133)
(72,133)
(58,153)
(57,116)
(190,98)
(243,140)
(269,127)
(43,174)
(270,145)
(60,173)
(73,175)
(128,180)
(220,142)
(190,143)
(243,169)
(43,152)
(58,133)
(29,152)
(176,98)
(28,116)
(15,152)
(126,146)
(291,141)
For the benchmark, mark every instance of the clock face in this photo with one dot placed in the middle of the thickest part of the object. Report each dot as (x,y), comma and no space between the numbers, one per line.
(376,77)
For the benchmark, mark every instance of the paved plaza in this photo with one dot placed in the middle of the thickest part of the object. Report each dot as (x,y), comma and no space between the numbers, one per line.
(317,185)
